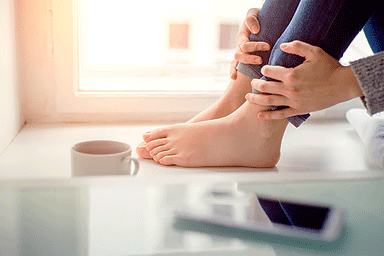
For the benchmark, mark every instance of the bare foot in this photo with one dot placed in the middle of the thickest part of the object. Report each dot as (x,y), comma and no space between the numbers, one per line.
(240,139)
(232,99)
(142,151)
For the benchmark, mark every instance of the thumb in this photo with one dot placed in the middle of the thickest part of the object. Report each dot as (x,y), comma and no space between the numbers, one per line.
(251,20)
(299,48)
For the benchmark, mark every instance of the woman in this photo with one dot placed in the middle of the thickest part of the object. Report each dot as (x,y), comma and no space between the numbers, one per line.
(229,133)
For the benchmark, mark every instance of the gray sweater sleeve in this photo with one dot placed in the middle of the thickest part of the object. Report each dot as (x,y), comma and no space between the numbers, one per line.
(370,75)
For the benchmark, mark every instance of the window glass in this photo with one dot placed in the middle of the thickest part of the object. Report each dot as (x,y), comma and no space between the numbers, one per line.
(178,46)
(228,34)
(163,46)
(179,36)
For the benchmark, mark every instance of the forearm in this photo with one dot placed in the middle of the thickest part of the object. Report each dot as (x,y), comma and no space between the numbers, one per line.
(348,84)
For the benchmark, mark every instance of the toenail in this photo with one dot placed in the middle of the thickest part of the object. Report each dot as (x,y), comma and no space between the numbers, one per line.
(146,135)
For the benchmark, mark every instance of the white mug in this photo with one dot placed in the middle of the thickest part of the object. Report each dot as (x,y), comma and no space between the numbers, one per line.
(102,157)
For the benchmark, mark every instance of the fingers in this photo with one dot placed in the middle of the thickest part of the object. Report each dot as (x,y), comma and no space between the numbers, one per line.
(251,20)
(244,43)
(275,72)
(242,52)
(247,58)
(243,56)
(245,46)
(243,36)
(249,47)
(250,25)
(272,100)
(267,86)
(267,100)
(233,71)
(300,48)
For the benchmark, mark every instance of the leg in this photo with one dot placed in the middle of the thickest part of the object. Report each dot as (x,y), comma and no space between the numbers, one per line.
(331,25)
(374,31)
(274,18)
(232,99)
(274,15)
(240,139)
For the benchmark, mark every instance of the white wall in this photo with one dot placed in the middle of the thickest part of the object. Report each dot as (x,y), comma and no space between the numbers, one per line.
(36,69)
(11,114)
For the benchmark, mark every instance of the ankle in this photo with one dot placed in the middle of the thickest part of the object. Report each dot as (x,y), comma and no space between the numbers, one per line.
(273,128)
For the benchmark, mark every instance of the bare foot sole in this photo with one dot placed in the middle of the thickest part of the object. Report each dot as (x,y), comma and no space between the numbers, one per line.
(231,100)
(240,139)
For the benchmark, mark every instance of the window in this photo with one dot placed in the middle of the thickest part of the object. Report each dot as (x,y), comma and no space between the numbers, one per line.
(228,34)
(179,36)
(116,61)
(174,46)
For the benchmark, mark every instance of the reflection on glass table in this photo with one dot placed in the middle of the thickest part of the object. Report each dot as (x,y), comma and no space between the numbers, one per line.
(265,214)
(138,219)
(98,221)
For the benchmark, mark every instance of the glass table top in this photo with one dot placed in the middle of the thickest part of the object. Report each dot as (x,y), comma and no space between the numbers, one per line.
(138,219)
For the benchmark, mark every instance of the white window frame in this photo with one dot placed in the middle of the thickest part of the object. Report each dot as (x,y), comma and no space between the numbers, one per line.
(71,104)
(138,106)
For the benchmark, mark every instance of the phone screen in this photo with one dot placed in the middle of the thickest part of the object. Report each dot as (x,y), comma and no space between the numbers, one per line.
(260,210)
(294,214)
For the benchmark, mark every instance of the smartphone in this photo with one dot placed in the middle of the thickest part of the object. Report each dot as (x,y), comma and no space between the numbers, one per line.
(264,214)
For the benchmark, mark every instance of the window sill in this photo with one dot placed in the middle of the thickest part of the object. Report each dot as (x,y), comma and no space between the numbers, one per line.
(318,150)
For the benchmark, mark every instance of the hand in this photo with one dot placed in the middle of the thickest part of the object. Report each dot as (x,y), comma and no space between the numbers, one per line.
(318,83)
(245,46)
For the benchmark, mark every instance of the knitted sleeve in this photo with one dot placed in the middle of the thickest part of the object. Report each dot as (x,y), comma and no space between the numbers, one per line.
(370,75)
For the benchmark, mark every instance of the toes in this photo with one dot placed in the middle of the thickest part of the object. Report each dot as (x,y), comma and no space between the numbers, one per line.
(142,151)
(156,143)
(155,135)
(159,149)
(146,135)
(162,154)
(168,160)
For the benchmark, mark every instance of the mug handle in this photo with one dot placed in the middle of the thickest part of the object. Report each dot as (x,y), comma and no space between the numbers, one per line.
(127,160)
